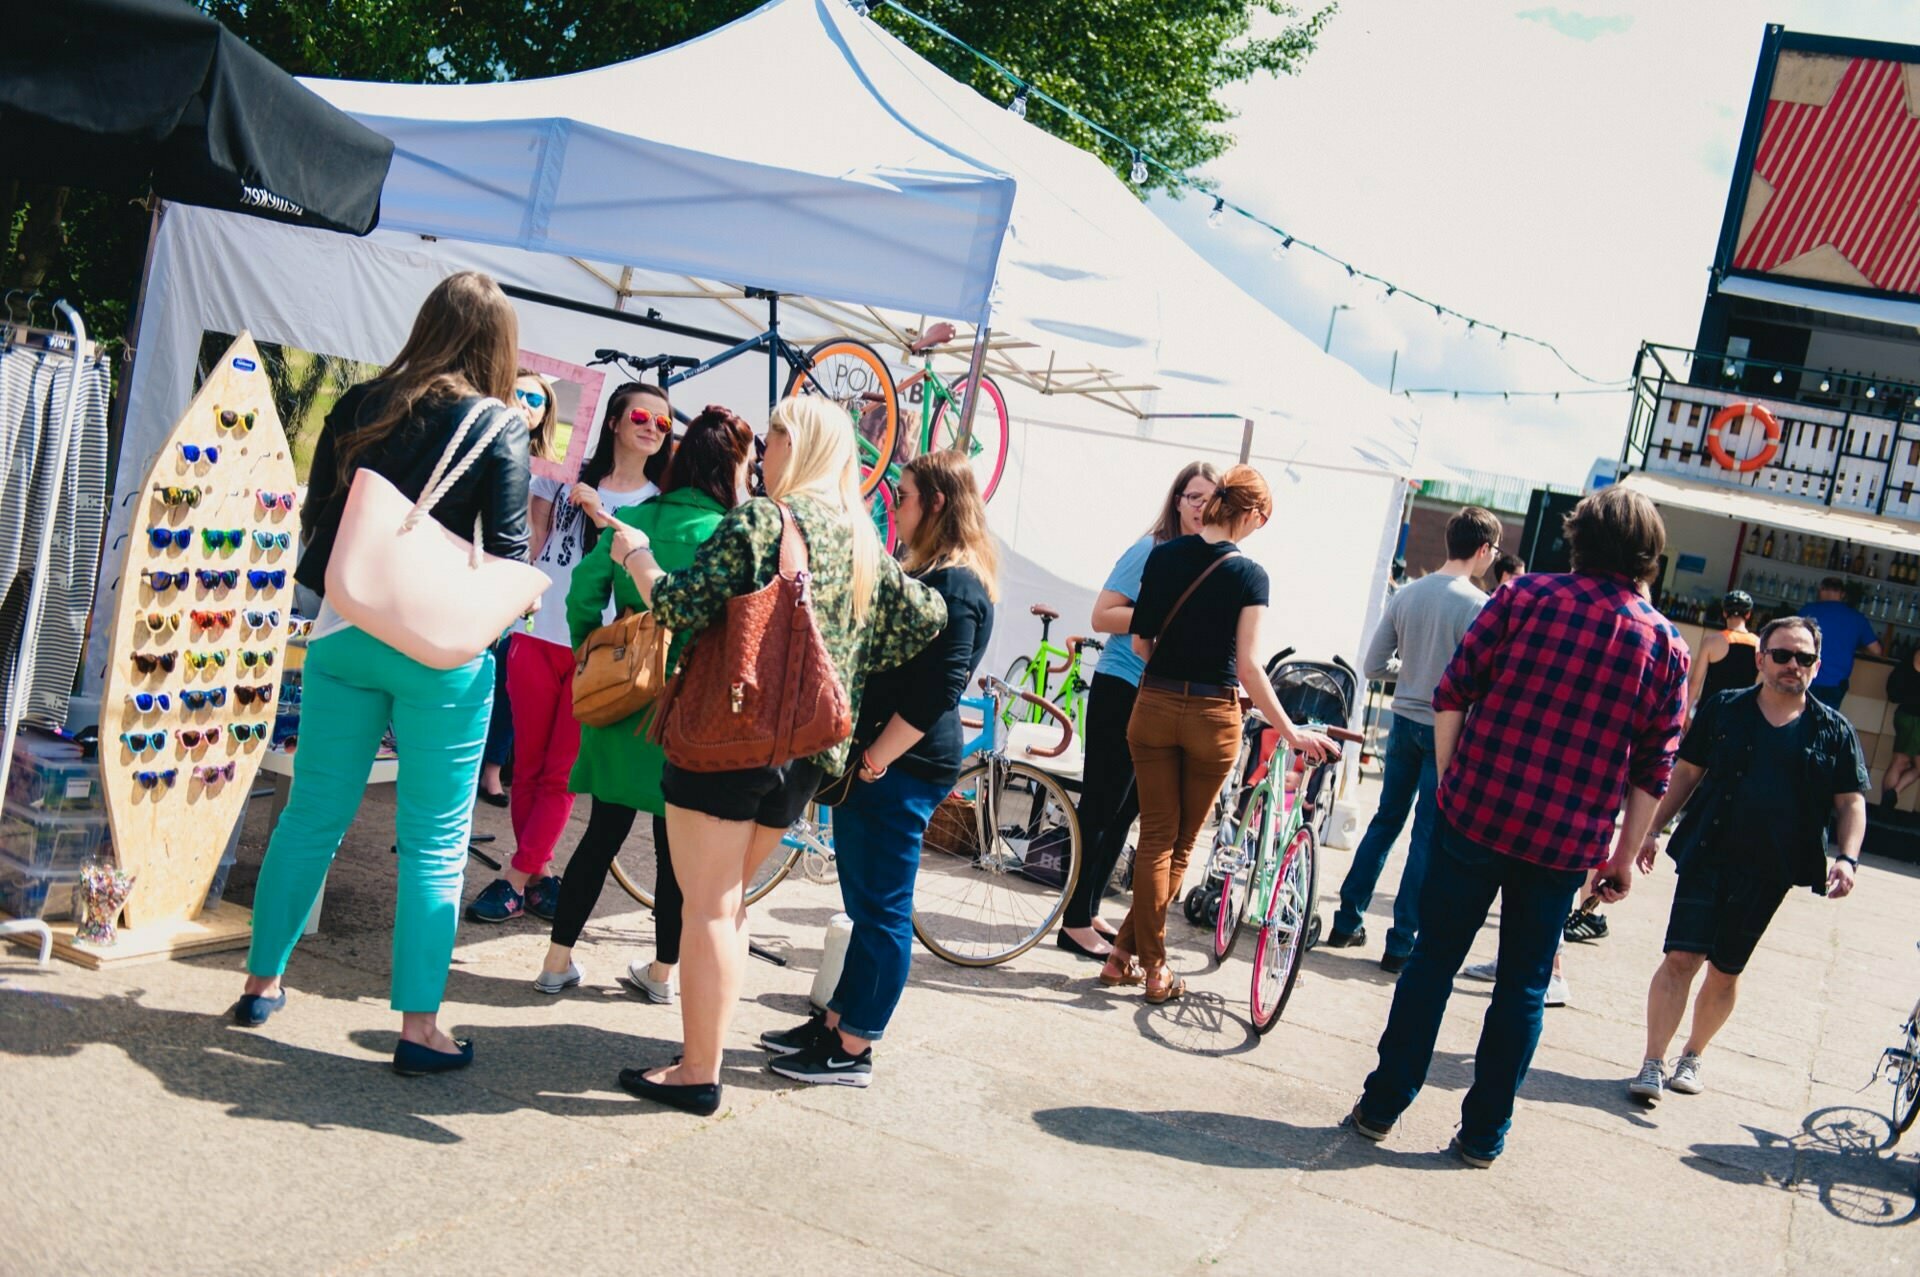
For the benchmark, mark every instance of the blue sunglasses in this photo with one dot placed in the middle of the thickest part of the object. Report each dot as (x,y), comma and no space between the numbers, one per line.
(178,538)
(193,452)
(273,540)
(261,580)
(161,582)
(147,702)
(201,700)
(217,578)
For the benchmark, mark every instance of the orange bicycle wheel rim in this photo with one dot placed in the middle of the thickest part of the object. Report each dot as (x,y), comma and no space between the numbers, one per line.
(870,424)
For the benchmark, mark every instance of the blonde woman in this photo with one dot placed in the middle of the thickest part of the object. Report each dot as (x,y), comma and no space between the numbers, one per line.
(910,749)
(871,615)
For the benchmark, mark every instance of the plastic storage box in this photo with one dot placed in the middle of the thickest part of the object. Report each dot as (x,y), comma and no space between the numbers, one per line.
(26,892)
(45,780)
(60,841)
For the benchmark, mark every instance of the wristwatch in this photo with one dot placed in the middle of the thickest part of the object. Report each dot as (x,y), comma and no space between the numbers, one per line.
(1852,861)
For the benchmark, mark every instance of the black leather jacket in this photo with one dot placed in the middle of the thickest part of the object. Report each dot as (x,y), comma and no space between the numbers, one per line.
(495,486)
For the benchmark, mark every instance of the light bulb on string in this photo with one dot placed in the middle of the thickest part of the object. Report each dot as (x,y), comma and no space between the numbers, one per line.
(1279,252)
(1387,291)
(1873,392)
(1473,329)
(1219,211)
(1139,172)
(1019,104)
(1778,376)
(1503,346)
(1440,315)
(1825,385)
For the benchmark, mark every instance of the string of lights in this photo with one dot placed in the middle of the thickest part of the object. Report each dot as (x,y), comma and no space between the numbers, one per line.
(1514,394)
(1144,164)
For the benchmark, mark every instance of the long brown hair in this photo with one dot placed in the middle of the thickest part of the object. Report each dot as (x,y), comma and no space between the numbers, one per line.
(708,459)
(465,341)
(542,436)
(953,529)
(1167,526)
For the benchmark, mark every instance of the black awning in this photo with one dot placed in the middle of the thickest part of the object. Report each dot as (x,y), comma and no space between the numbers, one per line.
(131,94)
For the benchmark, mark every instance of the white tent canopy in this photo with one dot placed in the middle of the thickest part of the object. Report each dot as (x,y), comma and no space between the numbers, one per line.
(802,148)
(637,181)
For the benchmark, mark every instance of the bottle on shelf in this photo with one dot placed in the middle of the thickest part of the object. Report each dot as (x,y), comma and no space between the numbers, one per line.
(1834,552)
(1873,566)
(1859,565)
(1753,539)
(1766,548)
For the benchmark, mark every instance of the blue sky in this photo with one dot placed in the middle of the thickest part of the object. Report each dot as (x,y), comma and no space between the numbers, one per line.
(1555,170)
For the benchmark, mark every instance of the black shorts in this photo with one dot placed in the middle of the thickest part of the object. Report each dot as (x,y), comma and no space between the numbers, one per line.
(770,796)
(1721,911)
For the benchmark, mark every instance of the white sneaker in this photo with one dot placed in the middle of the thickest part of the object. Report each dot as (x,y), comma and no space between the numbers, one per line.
(1557,994)
(1480,971)
(656,991)
(1686,1076)
(1651,1082)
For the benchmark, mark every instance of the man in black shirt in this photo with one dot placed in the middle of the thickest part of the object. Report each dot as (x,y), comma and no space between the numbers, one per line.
(1765,766)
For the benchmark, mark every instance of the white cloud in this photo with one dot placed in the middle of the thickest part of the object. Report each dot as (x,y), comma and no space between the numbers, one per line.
(1570,188)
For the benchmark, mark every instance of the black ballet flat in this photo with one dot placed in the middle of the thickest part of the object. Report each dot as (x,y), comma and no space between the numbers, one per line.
(1071,945)
(701,1099)
(410,1059)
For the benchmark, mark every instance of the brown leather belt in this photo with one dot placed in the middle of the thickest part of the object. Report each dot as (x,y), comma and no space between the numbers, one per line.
(1179,687)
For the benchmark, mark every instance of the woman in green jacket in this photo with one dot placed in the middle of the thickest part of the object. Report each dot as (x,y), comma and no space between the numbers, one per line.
(618,765)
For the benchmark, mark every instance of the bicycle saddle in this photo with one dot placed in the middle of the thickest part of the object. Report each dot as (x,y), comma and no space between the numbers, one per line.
(1043,611)
(938,335)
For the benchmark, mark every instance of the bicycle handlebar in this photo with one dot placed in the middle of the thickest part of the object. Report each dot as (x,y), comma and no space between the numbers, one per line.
(648,364)
(1000,690)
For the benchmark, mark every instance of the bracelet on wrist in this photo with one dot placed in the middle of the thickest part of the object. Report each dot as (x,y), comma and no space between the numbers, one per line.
(1853,861)
(866,764)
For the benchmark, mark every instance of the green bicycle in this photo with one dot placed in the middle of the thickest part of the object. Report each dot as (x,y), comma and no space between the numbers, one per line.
(940,403)
(1037,673)
(1266,860)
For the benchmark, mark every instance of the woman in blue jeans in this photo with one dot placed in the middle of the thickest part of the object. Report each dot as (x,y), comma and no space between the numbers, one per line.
(910,740)
(464,347)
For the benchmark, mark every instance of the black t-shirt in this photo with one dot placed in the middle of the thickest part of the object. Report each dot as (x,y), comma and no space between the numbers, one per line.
(926,691)
(1199,647)
(1765,812)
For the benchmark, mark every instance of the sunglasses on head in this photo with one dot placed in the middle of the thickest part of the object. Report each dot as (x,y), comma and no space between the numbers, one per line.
(148,662)
(641,417)
(193,452)
(147,702)
(219,538)
(276,500)
(189,497)
(273,540)
(213,697)
(142,742)
(261,579)
(161,582)
(231,420)
(201,660)
(217,578)
(261,692)
(1787,656)
(259,620)
(177,538)
(534,399)
(213,620)
(161,622)
(247,731)
(213,773)
(151,779)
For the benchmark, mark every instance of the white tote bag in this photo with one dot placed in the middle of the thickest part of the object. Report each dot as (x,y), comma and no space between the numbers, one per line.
(405,579)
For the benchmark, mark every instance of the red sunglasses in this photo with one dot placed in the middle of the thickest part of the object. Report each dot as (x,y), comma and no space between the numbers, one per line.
(641,417)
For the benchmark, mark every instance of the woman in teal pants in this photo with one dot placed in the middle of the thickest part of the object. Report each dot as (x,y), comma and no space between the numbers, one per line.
(464,346)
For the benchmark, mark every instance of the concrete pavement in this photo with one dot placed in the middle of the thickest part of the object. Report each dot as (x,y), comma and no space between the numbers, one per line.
(1021,1119)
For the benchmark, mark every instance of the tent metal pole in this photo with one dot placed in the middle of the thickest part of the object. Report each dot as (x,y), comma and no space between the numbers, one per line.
(974,364)
(1246,442)
(649,320)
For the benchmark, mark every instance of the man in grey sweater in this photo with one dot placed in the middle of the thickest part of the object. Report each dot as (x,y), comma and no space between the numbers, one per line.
(1417,636)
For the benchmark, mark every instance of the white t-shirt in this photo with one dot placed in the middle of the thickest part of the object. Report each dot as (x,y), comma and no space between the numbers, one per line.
(566,545)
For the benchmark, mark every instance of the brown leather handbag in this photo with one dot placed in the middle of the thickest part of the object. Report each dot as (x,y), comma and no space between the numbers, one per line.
(758,688)
(620,670)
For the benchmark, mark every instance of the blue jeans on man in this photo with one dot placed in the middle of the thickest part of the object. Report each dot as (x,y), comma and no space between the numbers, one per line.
(1534,903)
(1408,781)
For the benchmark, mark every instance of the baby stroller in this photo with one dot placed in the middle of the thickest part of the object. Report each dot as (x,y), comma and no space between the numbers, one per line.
(1311,692)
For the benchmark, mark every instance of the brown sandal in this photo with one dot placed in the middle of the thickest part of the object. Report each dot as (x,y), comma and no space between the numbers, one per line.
(1133,974)
(1175,987)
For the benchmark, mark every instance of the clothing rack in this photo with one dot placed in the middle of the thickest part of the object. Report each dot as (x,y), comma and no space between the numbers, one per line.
(20,665)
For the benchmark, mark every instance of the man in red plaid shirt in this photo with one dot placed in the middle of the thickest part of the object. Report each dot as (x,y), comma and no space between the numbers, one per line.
(1564,701)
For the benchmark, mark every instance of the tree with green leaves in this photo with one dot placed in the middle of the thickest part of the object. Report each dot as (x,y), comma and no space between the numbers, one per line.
(1149,70)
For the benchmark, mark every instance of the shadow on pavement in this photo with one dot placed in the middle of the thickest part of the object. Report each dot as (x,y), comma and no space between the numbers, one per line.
(1835,1158)
(1232,1140)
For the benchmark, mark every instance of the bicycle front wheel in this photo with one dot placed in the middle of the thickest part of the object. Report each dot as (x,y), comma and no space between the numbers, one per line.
(1236,891)
(988,440)
(853,375)
(1283,932)
(1000,858)
(1906,1085)
(637,869)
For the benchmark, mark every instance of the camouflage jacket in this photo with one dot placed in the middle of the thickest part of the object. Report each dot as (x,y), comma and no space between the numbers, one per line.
(744,552)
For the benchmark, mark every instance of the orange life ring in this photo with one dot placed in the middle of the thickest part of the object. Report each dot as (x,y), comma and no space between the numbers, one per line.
(1768,422)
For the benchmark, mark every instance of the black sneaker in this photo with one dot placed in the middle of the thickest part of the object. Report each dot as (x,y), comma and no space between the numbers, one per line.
(1347,939)
(825,1064)
(801,1037)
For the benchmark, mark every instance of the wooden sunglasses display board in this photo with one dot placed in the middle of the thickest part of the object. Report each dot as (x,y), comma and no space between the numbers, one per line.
(226,469)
